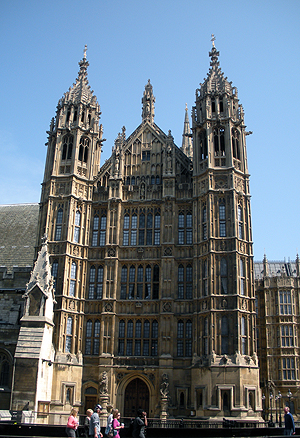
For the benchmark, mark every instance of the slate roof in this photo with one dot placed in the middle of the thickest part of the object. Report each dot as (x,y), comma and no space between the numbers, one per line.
(276,269)
(18,229)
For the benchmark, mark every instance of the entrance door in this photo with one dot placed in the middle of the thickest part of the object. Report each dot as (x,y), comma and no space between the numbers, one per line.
(90,402)
(136,397)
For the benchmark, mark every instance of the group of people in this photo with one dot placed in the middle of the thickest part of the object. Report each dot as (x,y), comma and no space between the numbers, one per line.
(113,427)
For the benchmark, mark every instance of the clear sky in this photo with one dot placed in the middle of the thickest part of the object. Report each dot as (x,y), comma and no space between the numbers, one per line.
(166,41)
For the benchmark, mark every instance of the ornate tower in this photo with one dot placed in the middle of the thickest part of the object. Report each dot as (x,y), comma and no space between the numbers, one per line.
(73,160)
(226,338)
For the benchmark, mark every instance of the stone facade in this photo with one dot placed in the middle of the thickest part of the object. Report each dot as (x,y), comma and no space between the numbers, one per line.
(153,292)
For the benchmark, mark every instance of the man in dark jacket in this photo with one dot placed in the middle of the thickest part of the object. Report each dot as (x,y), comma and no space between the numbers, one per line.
(139,424)
(289,425)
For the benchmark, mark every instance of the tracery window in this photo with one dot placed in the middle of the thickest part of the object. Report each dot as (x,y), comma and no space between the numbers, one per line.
(54,272)
(222,218)
(240,222)
(205,277)
(203,145)
(285,300)
(223,266)
(235,143)
(95,230)
(185,231)
(99,229)
(58,228)
(185,282)
(83,149)
(133,234)
(287,369)
(287,337)
(72,280)
(142,282)
(67,147)
(5,370)
(243,335)
(205,335)
(184,338)
(204,223)
(96,283)
(69,335)
(138,337)
(219,141)
(77,226)
(242,277)
(126,230)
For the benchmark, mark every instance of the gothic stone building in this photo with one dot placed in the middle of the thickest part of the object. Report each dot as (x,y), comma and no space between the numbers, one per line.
(143,289)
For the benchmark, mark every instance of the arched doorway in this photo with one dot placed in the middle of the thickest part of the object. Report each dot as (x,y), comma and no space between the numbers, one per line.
(136,397)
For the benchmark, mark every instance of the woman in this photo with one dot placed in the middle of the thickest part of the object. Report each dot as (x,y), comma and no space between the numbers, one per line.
(116,424)
(73,423)
(109,421)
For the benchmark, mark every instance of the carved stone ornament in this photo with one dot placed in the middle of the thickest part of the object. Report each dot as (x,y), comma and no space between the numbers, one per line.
(167,307)
(111,252)
(168,251)
(164,387)
(108,307)
(103,385)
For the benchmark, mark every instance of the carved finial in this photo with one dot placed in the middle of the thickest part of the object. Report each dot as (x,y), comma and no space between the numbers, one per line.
(186,107)
(213,39)
(84,52)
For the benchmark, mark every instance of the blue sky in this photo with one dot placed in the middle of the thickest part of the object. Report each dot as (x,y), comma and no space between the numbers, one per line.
(166,41)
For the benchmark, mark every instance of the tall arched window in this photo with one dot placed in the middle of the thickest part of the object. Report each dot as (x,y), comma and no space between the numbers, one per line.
(99,291)
(73,280)
(96,337)
(204,223)
(146,337)
(131,282)
(240,222)
(83,149)
(222,218)
(121,348)
(242,277)
(123,282)
(243,334)
(138,336)
(77,226)
(67,147)
(92,283)
(88,337)
(148,282)
(54,272)
(95,230)
(154,341)
(102,230)
(133,233)
(149,229)
(69,335)
(157,229)
(223,276)
(180,338)
(188,338)
(155,285)
(58,228)
(205,337)
(142,229)
(126,230)
(140,282)
(180,283)
(205,277)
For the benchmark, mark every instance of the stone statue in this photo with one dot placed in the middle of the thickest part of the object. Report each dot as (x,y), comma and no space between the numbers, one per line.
(164,387)
(104,383)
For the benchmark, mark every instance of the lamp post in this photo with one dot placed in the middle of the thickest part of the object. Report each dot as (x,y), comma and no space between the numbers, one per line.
(264,406)
(276,400)
(279,404)
(290,395)
(271,418)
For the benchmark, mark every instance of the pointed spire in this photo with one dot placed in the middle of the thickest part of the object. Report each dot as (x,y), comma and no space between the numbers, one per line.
(187,146)
(81,91)
(148,103)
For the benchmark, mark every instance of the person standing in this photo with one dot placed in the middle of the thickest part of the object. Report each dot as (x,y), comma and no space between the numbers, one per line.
(289,424)
(139,424)
(87,420)
(73,423)
(95,430)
